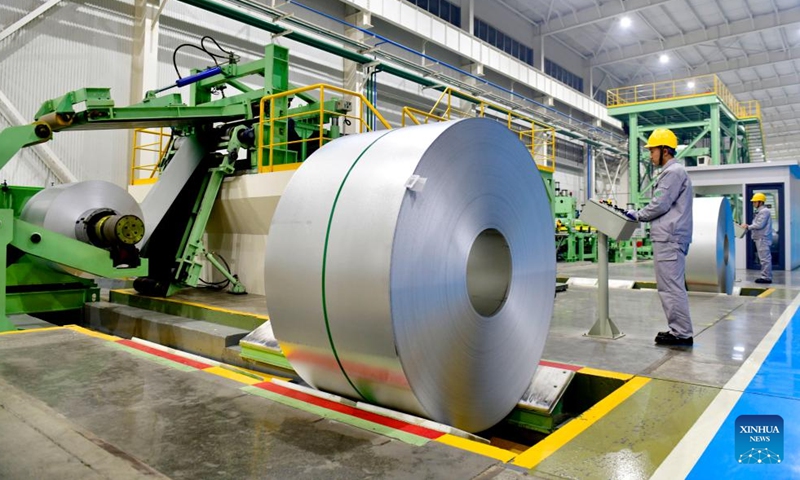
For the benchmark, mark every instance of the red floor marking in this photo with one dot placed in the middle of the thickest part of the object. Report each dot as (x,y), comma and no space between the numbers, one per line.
(564,366)
(354,412)
(162,354)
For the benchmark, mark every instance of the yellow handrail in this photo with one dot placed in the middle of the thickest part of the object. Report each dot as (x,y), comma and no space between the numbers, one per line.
(264,120)
(539,138)
(411,113)
(159,147)
(683,88)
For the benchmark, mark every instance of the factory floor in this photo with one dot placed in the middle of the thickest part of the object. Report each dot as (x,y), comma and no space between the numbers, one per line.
(77,404)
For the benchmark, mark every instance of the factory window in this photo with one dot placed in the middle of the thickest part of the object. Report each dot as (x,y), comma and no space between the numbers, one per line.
(563,75)
(498,39)
(442,9)
(600,96)
(566,150)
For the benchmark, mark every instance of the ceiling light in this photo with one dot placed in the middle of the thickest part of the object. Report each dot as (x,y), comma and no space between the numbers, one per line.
(690,84)
(625,22)
(663,58)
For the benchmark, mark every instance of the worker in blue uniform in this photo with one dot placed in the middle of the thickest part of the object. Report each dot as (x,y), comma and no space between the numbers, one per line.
(761,233)
(670,216)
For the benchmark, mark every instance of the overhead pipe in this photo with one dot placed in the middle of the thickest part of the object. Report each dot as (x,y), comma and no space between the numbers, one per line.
(221,8)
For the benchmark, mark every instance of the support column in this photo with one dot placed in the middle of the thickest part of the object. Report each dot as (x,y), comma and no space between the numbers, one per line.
(633,159)
(468,16)
(589,172)
(603,327)
(353,73)
(144,69)
(539,56)
(716,135)
(144,63)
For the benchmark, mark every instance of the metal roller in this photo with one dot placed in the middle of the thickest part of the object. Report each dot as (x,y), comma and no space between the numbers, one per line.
(415,269)
(711,262)
(95,212)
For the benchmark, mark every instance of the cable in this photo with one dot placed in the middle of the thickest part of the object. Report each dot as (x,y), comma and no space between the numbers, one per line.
(229,54)
(222,284)
(175,53)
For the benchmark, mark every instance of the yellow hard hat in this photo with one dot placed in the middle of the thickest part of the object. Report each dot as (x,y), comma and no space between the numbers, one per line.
(662,137)
(759,197)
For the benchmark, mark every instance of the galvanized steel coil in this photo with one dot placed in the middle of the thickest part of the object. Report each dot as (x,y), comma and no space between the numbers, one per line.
(711,262)
(415,269)
(60,208)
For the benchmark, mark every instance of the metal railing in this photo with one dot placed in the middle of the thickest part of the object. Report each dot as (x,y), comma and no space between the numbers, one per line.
(539,138)
(267,119)
(151,152)
(683,88)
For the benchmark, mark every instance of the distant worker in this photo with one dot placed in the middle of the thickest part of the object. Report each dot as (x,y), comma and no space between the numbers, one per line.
(761,233)
(670,217)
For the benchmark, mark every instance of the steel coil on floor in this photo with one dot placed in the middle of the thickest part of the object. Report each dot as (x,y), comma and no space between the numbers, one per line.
(711,262)
(415,269)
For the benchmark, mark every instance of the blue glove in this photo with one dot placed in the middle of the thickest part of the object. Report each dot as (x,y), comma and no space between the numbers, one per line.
(632,215)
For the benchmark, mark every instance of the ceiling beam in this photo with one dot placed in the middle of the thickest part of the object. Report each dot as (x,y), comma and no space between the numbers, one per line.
(779,102)
(781,131)
(768,118)
(748,61)
(595,14)
(763,84)
(719,32)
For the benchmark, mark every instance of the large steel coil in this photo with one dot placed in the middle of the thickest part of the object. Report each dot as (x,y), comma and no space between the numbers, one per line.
(711,262)
(415,269)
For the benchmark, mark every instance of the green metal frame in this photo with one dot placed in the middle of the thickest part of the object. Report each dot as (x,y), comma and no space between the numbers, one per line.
(30,286)
(694,120)
(98,112)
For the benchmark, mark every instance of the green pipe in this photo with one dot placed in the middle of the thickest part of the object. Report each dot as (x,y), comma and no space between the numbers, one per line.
(228,11)
(232,13)
(219,8)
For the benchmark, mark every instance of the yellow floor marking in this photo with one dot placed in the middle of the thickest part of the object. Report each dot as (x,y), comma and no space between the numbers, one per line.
(237,377)
(31,330)
(131,293)
(266,376)
(513,447)
(605,373)
(475,447)
(92,333)
(766,293)
(539,452)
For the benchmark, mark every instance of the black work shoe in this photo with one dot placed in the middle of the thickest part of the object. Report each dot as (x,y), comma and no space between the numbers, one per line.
(661,334)
(670,339)
(763,280)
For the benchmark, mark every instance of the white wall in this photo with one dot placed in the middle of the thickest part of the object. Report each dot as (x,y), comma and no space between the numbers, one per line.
(499,16)
(726,177)
(73,45)
(558,53)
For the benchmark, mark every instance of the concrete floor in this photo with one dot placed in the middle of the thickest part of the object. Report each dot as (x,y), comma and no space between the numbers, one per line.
(72,407)
(145,419)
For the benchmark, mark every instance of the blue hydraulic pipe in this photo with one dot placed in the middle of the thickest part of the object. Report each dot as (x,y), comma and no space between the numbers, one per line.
(589,172)
(193,78)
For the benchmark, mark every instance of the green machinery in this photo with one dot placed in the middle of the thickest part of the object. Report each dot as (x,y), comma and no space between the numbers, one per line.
(223,125)
(575,241)
(714,127)
(29,284)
